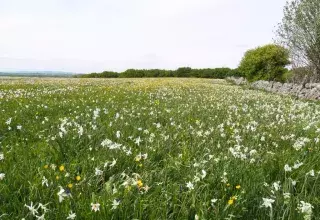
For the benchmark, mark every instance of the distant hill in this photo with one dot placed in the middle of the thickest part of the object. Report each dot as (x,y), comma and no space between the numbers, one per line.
(37,73)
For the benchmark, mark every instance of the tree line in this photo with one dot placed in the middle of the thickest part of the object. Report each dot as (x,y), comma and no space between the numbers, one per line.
(217,73)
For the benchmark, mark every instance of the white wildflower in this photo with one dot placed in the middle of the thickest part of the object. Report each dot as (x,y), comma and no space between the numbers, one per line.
(115,204)
(33,210)
(276,185)
(71,215)
(311,173)
(8,122)
(297,164)
(287,168)
(98,172)
(190,186)
(95,207)
(45,181)
(305,209)
(267,203)
(204,174)
(62,194)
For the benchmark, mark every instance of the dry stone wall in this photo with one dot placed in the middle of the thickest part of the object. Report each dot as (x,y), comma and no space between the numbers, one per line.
(308,91)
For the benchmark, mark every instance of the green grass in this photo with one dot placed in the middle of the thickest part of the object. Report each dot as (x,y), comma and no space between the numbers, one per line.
(207,133)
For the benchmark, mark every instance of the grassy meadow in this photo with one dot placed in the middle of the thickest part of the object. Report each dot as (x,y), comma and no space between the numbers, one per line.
(155,149)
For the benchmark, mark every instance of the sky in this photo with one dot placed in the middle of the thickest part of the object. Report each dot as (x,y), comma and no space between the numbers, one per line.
(95,35)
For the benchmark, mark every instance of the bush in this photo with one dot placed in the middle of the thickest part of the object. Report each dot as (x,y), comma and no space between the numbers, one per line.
(265,63)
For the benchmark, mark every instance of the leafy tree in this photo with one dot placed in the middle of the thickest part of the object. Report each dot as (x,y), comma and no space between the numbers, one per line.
(183,72)
(108,74)
(299,31)
(265,63)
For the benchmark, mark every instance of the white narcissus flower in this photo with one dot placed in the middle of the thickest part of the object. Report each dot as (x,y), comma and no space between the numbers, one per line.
(287,168)
(306,209)
(33,210)
(190,186)
(115,204)
(62,194)
(311,173)
(2,175)
(45,181)
(114,161)
(276,185)
(204,174)
(1,156)
(8,122)
(95,207)
(71,215)
(98,172)
(213,201)
(267,203)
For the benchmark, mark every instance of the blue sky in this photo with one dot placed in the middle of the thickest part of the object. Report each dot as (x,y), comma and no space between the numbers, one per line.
(96,35)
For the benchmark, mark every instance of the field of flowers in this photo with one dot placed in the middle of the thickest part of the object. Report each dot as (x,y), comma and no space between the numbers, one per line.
(155,149)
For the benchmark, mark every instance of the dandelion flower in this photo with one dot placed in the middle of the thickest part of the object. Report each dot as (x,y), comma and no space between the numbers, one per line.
(78,178)
(230,201)
(238,187)
(61,168)
(139,183)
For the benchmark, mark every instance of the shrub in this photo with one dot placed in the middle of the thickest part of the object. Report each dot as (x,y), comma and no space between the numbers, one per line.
(265,63)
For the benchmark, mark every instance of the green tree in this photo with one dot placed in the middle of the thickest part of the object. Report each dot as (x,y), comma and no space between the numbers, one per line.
(299,31)
(265,63)
(183,72)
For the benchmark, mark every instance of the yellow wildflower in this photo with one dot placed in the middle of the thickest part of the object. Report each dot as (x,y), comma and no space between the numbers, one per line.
(70,185)
(78,178)
(46,166)
(61,168)
(139,183)
(230,201)
(238,187)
